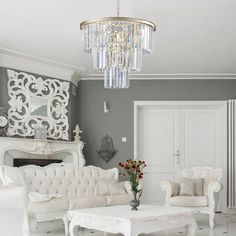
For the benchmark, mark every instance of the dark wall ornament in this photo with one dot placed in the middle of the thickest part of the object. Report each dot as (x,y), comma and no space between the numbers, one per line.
(107,150)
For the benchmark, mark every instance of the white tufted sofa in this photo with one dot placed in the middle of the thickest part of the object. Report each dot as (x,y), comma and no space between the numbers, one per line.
(56,188)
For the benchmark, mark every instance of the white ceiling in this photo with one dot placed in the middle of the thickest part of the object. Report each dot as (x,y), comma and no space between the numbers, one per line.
(193,36)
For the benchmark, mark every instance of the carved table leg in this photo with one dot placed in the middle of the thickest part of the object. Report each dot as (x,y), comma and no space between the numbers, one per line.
(192,228)
(73,229)
(66,224)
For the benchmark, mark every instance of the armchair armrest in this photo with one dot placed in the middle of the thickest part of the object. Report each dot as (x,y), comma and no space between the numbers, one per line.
(13,210)
(13,196)
(171,188)
(213,188)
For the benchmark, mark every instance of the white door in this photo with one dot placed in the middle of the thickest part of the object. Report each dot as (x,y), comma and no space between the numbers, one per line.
(172,136)
(158,145)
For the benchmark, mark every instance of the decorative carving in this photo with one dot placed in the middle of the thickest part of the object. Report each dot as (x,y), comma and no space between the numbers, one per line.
(107,150)
(25,88)
(77,132)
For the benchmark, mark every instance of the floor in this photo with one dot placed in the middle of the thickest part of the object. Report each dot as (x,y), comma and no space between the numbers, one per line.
(225,225)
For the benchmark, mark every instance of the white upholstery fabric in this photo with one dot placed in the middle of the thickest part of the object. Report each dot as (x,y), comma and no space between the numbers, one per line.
(117,188)
(211,187)
(71,181)
(12,196)
(186,188)
(13,222)
(55,188)
(39,197)
(120,199)
(198,185)
(53,205)
(88,202)
(189,201)
(205,174)
(13,211)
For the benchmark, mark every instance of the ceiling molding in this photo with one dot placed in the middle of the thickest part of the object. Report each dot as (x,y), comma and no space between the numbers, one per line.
(21,61)
(174,76)
(25,62)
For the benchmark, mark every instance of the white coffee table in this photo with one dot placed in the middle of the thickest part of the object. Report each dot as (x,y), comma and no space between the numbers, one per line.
(120,219)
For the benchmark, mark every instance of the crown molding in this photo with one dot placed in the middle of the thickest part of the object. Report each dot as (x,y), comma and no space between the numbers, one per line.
(25,62)
(174,76)
(21,61)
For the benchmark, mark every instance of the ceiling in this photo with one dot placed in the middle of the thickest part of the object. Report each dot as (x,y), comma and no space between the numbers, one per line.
(193,36)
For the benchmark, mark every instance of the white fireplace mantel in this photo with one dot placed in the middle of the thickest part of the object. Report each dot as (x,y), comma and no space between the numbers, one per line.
(42,148)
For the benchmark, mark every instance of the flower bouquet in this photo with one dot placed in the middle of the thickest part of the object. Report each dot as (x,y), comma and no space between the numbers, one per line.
(133,170)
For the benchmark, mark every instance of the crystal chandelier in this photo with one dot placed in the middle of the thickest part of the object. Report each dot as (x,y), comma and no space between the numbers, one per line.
(117,45)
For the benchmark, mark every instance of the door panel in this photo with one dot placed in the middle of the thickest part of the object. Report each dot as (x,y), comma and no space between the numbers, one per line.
(158,140)
(200,129)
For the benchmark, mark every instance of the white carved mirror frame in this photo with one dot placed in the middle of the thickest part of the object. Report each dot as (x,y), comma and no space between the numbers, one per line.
(24,91)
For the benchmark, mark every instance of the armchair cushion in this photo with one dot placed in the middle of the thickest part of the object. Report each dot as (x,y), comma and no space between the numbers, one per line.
(189,201)
(186,188)
(198,185)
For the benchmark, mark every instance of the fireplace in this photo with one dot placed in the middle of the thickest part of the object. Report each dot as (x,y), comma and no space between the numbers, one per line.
(19,152)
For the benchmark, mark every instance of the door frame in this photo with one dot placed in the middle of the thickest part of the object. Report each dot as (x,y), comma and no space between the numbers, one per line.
(220,104)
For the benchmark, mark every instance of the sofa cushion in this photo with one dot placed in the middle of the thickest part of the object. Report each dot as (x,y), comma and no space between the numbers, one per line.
(54,205)
(117,188)
(189,201)
(39,197)
(110,188)
(121,199)
(87,202)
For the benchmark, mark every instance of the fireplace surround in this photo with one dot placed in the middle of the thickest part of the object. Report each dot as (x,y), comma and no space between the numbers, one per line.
(21,151)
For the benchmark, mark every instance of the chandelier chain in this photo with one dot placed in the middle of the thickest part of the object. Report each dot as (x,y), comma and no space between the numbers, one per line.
(118,8)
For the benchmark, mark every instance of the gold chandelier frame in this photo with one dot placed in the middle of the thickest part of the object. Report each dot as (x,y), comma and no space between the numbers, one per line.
(118,18)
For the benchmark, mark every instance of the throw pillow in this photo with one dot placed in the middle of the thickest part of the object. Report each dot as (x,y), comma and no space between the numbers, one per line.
(198,185)
(186,188)
(117,188)
(110,187)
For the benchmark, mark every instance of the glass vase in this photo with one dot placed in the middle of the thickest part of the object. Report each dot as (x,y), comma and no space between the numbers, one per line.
(135,202)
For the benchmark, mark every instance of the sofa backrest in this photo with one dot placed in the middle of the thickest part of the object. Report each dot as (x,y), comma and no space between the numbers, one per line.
(64,180)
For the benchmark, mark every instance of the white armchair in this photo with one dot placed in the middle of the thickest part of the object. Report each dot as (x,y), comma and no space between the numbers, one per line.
(13,211)
(206,203)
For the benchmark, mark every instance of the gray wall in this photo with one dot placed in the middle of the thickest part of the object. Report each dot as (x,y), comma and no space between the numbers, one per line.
(119,121)
(4,98)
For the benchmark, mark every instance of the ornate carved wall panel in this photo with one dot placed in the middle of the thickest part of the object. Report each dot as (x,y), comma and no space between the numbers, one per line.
(36,102)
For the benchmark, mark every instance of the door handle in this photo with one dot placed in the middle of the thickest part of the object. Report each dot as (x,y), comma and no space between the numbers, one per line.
(176,156)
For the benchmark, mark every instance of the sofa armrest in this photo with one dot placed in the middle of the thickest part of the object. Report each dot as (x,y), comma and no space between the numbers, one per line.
(171,188)
(213,189)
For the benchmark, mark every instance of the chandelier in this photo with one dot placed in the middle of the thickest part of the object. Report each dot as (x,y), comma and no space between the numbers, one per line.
(117,45)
